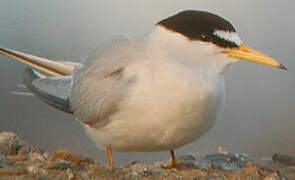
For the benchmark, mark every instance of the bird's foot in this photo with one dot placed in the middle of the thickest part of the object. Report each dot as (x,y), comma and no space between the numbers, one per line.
(171,166)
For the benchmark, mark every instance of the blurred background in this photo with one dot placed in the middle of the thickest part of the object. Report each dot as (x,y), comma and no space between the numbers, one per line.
(259,113)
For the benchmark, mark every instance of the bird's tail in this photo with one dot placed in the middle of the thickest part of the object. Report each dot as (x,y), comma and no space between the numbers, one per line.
(48,79)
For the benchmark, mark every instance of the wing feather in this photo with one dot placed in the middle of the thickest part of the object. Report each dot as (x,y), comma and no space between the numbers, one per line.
(99,83)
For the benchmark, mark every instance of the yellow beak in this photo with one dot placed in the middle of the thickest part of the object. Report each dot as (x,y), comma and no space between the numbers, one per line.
(246,53)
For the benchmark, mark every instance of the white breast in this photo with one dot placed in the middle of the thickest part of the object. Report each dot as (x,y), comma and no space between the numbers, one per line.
(169,105)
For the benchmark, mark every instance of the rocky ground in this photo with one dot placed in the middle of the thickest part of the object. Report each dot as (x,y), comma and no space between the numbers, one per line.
(21,161)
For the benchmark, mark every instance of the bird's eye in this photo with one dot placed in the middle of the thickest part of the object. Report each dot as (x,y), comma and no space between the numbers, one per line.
(204,37)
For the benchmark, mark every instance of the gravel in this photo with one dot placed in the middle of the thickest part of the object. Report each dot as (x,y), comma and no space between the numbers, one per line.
(21,161)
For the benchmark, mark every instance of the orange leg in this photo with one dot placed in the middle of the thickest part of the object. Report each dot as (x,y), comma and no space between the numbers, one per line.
(110,156)
(173,164)
(173,160)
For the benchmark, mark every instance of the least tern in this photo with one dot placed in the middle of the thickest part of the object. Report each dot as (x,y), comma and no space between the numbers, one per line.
(157,92)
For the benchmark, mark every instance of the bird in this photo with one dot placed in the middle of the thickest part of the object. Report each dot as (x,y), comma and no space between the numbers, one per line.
(149,93)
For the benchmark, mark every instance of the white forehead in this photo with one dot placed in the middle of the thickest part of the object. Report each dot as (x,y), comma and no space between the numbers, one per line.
(229,36)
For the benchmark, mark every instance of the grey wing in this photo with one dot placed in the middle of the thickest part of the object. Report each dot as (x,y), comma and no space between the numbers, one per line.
(99,83)
(54,91)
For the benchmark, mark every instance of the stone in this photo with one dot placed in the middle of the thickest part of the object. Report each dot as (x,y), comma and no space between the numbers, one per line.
(10,144)
(284,159)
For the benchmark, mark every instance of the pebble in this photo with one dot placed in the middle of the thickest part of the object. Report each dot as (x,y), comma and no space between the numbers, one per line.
(10,144)
(284,159)
(33,169)
(5,162)
(226,162)
(70,174)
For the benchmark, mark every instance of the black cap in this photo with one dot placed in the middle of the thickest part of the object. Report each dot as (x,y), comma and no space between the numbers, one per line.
(200,25)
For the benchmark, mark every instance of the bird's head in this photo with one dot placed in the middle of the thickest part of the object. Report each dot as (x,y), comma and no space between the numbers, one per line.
(213,35)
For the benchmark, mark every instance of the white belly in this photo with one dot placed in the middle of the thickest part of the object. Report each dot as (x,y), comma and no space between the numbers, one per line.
(163,111)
